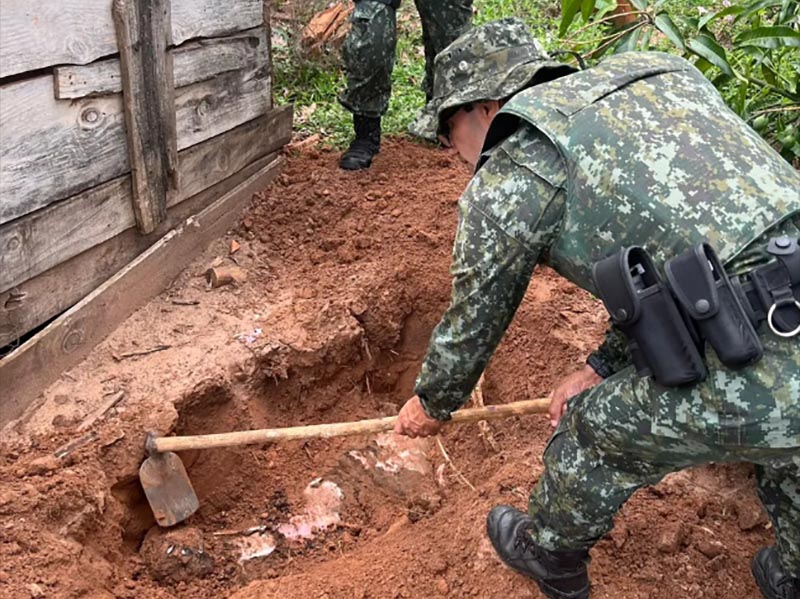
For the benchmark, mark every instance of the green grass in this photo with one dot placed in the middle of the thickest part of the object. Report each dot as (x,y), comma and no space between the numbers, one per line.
(313,83)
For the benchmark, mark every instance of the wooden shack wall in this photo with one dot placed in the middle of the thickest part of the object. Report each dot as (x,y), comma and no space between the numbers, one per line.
(66,217)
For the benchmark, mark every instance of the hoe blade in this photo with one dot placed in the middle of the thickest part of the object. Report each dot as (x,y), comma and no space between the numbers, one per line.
(168,488)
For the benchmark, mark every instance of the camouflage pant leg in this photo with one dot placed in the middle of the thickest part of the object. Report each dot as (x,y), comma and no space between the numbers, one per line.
(628,432)
(442,23)
(779,489)
(368,55)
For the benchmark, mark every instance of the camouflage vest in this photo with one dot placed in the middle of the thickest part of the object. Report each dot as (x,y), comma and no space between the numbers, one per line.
(655,158)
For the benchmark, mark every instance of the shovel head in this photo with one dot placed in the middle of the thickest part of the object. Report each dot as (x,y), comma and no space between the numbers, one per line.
(168,488)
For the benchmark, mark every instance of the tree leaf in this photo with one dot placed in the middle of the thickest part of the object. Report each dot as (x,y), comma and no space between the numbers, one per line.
(788,9)
(569,8)
(665,25)
(713,16)
(769,37)
(639,4)
(627,42)
(706,46)
(587,8)
(603,7)
(757,6)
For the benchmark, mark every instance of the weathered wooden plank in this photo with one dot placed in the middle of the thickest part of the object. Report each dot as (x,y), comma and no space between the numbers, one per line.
(39,34)
(37,300)
(194,61)
(205,109)
(66,148)
(41,240)
(73,145)
(206,18)
(27,371)
(148,97)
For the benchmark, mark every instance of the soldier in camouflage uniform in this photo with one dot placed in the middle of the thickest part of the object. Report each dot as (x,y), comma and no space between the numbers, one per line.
(639,150)
(369,52)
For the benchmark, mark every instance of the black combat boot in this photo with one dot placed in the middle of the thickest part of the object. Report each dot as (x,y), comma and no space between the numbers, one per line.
(366,144)
(559,574)
(772,579)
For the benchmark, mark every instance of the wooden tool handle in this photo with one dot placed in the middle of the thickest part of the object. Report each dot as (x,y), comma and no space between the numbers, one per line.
(340,429)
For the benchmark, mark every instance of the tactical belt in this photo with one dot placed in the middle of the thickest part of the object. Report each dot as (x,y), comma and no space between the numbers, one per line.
(395,4)
(669,322)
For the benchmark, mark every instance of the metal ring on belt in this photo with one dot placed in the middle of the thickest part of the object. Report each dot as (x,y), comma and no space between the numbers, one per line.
(774,329)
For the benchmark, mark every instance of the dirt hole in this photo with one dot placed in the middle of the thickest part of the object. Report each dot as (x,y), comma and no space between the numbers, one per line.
(266,509)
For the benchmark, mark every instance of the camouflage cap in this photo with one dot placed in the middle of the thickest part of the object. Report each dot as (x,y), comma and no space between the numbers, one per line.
(489,62)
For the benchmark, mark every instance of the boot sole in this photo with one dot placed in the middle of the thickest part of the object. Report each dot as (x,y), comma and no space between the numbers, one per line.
(546,591)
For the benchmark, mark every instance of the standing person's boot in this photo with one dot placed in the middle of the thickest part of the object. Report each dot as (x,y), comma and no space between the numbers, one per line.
(559,574)
(771,578)
(366,144)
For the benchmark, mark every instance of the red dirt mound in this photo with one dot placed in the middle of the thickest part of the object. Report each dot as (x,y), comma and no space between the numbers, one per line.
(347,275)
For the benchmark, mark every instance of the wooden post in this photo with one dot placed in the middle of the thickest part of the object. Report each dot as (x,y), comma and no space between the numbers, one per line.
(148,90)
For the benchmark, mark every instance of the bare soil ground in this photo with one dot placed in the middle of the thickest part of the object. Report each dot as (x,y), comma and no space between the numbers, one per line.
(347,275)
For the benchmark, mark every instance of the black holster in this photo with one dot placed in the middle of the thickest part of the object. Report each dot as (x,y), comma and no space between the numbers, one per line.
(705,293)
(663,344)
(772,292)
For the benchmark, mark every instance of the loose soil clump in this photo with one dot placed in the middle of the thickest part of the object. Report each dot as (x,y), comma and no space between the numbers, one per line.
(347,273)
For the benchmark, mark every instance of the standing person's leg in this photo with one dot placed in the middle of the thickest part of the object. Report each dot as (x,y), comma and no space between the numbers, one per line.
(368,54)
(442,22)
(777,568)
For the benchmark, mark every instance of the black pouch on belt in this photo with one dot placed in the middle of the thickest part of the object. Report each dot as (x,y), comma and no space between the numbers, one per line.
(641,305)
(704,291)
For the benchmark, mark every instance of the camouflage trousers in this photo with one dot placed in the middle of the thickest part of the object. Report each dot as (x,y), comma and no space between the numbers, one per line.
(369,50)
(629,432)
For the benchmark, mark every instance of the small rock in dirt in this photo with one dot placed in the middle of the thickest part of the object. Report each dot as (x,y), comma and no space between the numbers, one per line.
(396,212)
(442,586)
(750,514)
(42,465)
(709,547)
(671,538)
(63,421)
(397,525)
(36,590)
(176,555)
(718,563)
(437,564)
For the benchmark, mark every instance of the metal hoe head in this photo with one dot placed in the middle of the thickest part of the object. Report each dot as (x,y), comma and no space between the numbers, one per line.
(168,488)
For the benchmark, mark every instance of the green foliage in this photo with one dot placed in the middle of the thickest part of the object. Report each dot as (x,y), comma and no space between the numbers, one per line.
(749,49)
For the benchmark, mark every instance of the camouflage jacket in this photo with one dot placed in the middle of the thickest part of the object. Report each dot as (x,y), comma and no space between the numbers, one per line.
(640,150)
